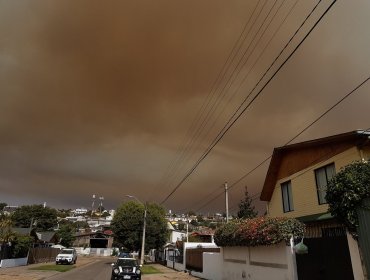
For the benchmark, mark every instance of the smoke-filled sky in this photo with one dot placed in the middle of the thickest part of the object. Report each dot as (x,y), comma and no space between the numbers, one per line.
(117,98)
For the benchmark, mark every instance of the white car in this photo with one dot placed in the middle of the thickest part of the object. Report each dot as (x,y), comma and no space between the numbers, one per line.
(66,256)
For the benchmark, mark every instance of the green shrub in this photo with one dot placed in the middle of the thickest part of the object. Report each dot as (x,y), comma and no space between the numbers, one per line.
(346,190)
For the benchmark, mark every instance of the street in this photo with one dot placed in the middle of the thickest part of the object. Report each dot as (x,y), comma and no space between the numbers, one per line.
(87,268)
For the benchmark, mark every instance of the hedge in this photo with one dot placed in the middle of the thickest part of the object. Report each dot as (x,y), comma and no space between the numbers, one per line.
(258,231)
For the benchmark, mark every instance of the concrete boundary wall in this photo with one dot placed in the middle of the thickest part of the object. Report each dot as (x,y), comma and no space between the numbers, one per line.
(259,263)
(13,262)
(94,251)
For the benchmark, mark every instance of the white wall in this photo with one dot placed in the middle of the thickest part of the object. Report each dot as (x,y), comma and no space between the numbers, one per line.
(212,266)
(187,245)
(177,235)
(259,263)
(95,251)
(354,252)
(13,262)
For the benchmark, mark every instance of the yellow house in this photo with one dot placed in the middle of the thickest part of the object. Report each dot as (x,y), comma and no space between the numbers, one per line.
(298,173)
(295,186)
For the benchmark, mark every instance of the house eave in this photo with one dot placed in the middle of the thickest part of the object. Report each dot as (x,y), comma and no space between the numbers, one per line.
(357,138)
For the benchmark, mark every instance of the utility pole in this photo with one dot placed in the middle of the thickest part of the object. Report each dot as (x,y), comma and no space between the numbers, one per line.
(226,203)
(187,227)
(101,204)
(144,227)
(92,206)
(143,239)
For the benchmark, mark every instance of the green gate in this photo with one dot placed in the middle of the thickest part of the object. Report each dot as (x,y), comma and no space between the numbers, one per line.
(363,213)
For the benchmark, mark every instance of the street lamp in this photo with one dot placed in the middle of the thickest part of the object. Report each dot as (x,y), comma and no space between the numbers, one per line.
(144,226)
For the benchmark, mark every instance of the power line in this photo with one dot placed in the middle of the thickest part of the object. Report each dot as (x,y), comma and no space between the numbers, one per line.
(256,196)
(220,98)
(214,88)
(262,52)
(293,138)
(231,122)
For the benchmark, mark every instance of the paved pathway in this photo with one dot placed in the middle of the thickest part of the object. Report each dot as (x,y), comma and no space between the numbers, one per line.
(167,273)
(24,272)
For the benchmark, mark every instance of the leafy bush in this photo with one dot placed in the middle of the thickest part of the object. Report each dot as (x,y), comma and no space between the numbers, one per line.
(346,190)
(21,246)
(258,231)
(115,252)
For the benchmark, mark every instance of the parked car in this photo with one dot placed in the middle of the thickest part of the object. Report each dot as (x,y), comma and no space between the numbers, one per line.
(66,256)
(126,268)
(124,255)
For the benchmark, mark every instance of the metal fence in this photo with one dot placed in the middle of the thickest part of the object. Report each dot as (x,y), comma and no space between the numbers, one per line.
(363,212)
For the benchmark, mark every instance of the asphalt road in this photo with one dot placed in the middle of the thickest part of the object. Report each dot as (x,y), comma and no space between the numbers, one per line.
(88,268)
(100,270)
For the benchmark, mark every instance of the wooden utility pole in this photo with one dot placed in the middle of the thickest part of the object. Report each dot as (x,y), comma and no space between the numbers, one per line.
(226,203)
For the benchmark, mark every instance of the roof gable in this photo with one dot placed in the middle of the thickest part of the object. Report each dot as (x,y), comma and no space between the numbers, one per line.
(45,236)
(288,160)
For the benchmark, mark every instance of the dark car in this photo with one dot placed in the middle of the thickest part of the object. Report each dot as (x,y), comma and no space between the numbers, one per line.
(126,268)
(124,255)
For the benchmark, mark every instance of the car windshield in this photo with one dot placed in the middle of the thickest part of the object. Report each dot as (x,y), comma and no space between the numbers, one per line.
(66,251)
(126,262)
(124,255)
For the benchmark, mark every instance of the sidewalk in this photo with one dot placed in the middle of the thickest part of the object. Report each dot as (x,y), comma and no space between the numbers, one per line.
(167,273)
(24,272)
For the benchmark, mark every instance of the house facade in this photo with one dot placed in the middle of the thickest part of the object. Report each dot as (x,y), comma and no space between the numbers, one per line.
(295,186)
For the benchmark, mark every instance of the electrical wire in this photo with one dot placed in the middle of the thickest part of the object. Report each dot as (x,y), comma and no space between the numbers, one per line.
(291,140)
(188,147)
(232,122)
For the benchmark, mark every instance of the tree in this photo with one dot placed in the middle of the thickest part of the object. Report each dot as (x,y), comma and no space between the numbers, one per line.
(181,225)
(42,218)
(66,235)
(6,233)
(21,245)
(346,190)
(2,206)
(6,236)
(63,213)
(127,226)
(246,209)
(191,213)
(200,219)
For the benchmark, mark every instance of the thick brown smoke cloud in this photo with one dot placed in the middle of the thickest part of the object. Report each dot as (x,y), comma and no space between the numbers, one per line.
(96,97)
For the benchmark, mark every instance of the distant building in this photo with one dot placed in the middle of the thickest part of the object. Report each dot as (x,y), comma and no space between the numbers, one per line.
(79,211)
(9,209)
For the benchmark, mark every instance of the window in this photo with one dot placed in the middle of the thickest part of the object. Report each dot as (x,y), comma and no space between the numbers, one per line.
(286,191)
(323,175)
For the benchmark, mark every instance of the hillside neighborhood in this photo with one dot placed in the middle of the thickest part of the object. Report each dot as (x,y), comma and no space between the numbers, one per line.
(156,140)
(296,189)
